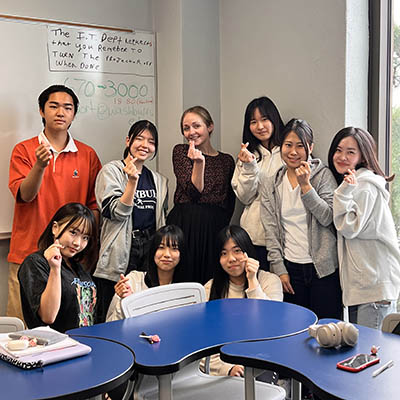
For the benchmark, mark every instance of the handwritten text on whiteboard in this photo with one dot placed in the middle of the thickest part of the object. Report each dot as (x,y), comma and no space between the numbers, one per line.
(129,97)
(83,50)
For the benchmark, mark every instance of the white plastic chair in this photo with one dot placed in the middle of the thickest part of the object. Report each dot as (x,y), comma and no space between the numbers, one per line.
(189,382)
(162,298)
(11,324)
(390,322)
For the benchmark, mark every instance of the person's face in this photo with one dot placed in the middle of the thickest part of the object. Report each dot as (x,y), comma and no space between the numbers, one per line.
(167,257)
(194,128)
(293,151)
(74,239)
(143,146)
(59,112)
(347,155)
(231,259)
(261,127)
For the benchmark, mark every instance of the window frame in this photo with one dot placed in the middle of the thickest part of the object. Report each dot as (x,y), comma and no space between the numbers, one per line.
(380,78)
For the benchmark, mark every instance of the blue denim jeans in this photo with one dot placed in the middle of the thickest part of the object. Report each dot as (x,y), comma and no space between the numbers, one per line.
(371,314)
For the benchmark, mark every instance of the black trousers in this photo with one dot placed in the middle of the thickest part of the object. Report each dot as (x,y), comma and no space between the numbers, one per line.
(321,295)
(262,254)
(105,293)
(105,287)
(139,251)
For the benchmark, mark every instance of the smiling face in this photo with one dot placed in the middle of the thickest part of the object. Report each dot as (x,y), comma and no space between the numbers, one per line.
(167,256)
(347,155)
(74,239)
(194,128)
(58,112)
(261,128)
(231,260)
(293,151)
(143,145)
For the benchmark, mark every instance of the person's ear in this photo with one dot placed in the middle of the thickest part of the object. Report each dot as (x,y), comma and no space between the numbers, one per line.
(55,228)
(127,140)
(311,147)
(210,128)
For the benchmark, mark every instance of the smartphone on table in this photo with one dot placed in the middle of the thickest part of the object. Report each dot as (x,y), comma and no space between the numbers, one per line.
(358,362)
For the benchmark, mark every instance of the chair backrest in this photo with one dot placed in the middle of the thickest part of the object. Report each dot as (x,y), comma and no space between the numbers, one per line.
(391,323)
(11,324)
(163,298)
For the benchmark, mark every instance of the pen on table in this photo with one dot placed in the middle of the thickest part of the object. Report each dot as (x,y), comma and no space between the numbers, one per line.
(383,368)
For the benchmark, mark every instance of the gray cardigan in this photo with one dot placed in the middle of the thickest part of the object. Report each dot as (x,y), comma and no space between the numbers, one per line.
(318,204)
(115,236)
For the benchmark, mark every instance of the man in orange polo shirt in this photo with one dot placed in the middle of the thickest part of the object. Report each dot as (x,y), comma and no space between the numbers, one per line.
(46,172)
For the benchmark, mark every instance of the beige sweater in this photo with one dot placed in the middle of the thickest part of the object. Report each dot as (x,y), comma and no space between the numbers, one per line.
(269,288)
(136,280)
(246,183)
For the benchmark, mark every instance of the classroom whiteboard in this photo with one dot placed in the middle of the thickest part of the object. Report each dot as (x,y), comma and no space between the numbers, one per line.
(113,74)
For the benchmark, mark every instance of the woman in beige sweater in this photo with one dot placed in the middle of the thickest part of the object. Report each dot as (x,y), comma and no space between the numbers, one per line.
(238,276)
(164,260)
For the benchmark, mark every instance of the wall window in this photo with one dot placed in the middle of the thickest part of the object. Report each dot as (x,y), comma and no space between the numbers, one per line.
(384,91)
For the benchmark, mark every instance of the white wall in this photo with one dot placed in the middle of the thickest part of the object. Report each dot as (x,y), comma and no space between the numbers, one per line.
(167,17)
(292,51)
(201,59)
(309,56)
(131,14)
(187,70)
(136,14)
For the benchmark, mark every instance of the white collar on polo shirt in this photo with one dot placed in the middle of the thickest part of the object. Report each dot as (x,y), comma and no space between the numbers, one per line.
(71,146)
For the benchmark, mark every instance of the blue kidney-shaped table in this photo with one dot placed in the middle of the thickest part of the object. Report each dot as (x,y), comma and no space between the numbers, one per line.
(192,332)
(107,366)
(303,359)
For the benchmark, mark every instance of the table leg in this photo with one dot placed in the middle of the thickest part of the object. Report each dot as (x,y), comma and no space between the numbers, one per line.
(165,387)
(296,390)
(249,384)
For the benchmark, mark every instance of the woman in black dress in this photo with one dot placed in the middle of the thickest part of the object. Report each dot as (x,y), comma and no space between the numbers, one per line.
(204,200)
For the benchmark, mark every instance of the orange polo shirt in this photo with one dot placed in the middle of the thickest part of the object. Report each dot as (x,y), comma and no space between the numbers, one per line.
(69,177)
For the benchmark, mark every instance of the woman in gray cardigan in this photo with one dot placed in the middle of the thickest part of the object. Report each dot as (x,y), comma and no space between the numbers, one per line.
(296,212)
(133,202)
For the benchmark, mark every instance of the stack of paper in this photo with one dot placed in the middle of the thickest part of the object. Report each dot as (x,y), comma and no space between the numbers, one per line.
(41,355)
